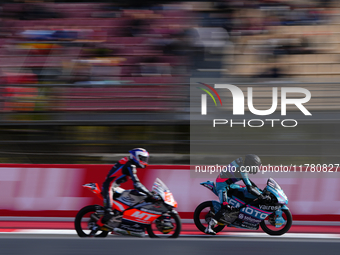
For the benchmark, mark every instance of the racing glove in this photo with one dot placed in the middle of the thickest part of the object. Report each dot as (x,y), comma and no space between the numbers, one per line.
(266,198)
(140,187)
(254,191)
(154,198)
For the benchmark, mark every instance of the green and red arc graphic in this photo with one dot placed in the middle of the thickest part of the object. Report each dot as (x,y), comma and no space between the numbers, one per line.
(208,92)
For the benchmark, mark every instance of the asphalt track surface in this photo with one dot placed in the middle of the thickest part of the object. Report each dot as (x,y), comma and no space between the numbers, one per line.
(44,238)
(38,244)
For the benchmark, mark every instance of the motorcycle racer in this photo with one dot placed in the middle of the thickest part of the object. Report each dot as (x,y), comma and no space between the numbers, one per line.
(235,171)
(122,171)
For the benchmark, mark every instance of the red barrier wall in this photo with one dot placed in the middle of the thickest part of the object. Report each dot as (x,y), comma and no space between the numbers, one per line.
(56,191)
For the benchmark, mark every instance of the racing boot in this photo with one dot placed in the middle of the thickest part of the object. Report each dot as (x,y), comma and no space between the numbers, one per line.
(209,230)
(223,212)
(107,216)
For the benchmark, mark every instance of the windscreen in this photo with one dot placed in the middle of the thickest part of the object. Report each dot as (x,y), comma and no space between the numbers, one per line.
(159,187)
(272,183)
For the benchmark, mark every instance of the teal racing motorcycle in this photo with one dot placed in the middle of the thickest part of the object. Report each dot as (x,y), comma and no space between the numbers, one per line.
(272,214)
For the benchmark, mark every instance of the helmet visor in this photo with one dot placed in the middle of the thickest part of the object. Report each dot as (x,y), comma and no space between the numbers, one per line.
(143,159)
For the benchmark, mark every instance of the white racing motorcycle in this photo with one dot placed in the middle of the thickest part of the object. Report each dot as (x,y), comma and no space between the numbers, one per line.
(132,212)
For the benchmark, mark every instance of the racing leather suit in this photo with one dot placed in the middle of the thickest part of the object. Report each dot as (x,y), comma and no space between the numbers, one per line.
(120,173)
(227,179)
(234,172)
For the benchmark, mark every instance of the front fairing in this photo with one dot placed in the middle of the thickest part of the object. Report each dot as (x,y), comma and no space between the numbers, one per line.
(277,191)
(163,191)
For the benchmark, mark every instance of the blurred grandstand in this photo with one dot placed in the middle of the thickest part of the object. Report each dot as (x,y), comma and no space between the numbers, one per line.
(82,82)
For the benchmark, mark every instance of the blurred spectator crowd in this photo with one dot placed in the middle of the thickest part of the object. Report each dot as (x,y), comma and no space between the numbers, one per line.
(91,42)
(129,42)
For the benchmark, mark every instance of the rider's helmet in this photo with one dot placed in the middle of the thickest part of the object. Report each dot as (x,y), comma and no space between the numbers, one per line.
(140,157)
(253,162)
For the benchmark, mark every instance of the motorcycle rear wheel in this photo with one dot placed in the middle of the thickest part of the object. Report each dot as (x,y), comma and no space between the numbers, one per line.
(83,222)
(198,214)
(289,221)
(176,221)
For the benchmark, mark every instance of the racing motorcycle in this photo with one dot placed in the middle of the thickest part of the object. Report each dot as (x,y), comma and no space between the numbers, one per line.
(247,211)
(133,212)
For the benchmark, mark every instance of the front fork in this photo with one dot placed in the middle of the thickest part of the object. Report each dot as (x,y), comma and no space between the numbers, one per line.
(279,220)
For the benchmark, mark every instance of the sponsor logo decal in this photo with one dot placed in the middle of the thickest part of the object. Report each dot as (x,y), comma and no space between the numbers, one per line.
(249,211)
(270,207)
(249,225)
(144,216)
(248,218)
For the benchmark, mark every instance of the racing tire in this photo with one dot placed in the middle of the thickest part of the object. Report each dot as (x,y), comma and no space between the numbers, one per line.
(79,223)
(176,233)
(197,213)
(281,231)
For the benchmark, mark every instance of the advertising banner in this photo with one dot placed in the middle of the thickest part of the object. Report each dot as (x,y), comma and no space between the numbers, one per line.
(56,190)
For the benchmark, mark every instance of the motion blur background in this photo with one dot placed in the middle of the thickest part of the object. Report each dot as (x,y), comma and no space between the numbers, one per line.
(84,82)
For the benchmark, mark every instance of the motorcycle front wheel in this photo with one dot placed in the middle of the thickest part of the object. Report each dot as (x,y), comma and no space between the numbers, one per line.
(154,232)
(268,224)
(202,215)
(85,222)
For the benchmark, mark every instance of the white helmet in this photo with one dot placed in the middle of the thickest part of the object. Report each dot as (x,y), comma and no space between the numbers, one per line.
(140,156)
